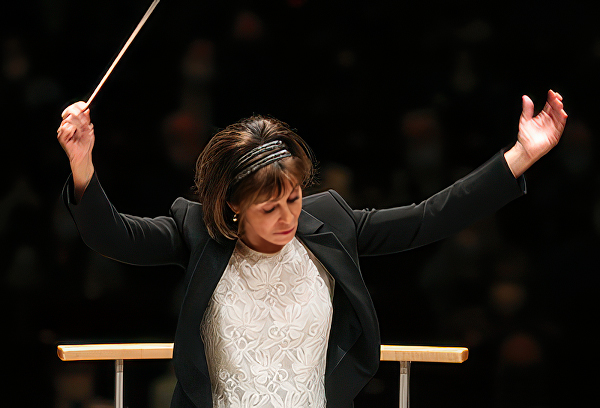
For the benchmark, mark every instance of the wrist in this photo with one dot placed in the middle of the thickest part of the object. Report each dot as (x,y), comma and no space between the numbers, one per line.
(518,160)
(82,175)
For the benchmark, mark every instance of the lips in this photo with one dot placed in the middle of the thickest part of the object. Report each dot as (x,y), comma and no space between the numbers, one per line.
(286,232)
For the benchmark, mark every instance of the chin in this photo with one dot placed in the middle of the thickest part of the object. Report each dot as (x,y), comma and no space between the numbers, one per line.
(282,239)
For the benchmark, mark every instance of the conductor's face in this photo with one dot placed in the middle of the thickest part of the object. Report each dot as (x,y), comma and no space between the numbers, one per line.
(271,224)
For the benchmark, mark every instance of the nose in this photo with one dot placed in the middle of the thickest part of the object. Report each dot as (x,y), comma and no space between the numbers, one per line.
(286,215)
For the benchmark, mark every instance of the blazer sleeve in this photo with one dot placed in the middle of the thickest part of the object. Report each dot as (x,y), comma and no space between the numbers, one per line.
(126,238)
(479,194)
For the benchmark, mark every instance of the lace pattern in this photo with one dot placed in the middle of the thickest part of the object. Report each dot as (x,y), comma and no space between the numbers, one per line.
(266,330)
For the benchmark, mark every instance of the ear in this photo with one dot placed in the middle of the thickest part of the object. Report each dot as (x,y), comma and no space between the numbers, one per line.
(234,208)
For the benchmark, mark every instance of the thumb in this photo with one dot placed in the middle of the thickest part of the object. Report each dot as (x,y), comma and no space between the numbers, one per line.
(527,113)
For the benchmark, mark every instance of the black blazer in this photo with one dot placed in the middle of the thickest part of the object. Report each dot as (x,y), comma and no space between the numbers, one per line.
(337,236)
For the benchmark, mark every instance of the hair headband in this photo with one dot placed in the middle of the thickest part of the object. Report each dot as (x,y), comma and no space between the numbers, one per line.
(260,157)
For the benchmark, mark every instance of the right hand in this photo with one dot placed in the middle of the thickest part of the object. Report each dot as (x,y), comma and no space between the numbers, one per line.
(76,136)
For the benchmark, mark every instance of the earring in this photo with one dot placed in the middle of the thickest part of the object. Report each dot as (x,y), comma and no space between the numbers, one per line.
(235,218)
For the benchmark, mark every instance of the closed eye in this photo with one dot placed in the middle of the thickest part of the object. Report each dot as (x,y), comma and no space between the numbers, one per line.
(289,200)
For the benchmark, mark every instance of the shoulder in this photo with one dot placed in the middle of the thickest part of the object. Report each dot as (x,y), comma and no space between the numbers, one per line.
(188,216)
(328,206)
(326,199)
(183,208)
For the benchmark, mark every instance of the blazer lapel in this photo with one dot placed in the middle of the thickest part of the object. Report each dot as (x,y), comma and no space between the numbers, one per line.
(205,276)
(349,288)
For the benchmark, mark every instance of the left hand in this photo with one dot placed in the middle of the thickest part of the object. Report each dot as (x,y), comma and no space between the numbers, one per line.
(537,134)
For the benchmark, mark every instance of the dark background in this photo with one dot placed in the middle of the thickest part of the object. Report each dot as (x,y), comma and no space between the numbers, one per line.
(397,99)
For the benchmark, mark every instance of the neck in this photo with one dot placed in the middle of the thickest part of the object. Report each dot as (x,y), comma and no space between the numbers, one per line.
(262,246)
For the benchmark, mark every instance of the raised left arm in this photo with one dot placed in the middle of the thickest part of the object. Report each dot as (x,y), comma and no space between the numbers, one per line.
(537,134)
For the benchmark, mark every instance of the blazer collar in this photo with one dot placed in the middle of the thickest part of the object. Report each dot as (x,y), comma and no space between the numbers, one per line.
(308,224)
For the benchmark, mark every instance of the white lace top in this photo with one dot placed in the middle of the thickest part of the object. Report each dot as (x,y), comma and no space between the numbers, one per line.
(266,329)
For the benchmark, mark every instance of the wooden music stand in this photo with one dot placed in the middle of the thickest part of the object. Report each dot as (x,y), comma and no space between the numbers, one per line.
(144,351)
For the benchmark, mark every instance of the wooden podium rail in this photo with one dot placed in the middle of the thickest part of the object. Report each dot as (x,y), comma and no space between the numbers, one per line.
(144,351)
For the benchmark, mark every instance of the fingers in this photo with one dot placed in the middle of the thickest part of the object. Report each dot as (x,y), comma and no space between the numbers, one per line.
(76,114)
(65,131)
(553,107)
(74,118)
(74,109)
(65,134)
(555,101)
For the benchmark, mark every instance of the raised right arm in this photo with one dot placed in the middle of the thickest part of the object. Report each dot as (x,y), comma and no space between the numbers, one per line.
(127,238)
(134,240)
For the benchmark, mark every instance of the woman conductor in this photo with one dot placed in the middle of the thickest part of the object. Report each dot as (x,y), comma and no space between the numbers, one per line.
(276,313)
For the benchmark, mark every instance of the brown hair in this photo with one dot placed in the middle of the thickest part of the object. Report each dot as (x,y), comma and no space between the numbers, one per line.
(216,170)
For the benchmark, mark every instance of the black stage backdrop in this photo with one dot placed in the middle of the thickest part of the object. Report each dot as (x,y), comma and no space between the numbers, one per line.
(398,99)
